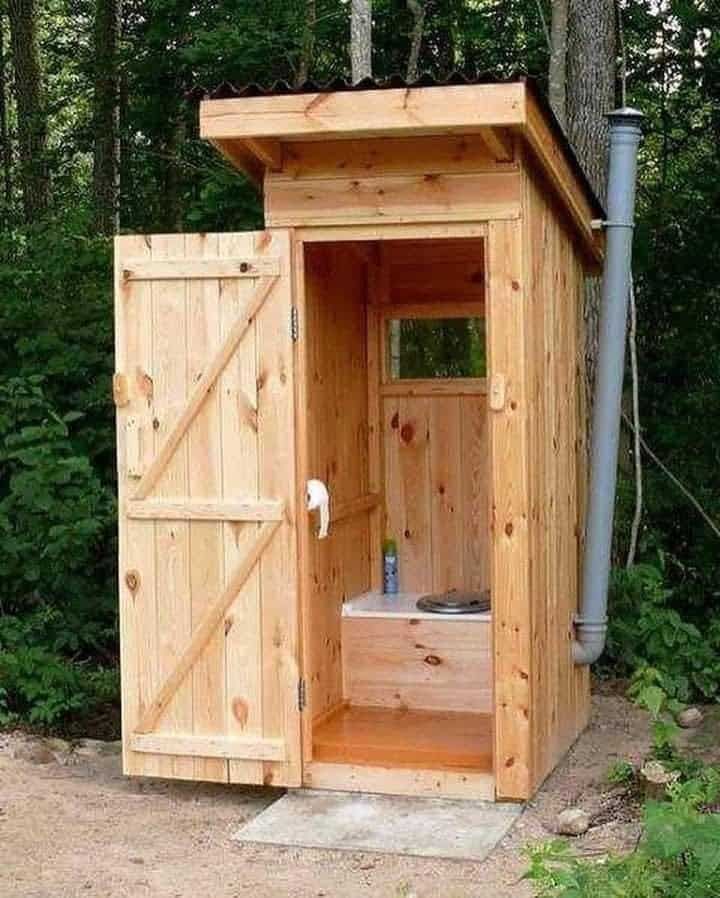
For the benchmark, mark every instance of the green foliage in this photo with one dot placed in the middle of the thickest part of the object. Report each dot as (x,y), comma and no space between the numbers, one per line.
(41,684)
(678,855)
(647,630)
(620,773)
(58,626)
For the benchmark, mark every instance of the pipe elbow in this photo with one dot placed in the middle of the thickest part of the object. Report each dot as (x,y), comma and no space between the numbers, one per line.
(589,642)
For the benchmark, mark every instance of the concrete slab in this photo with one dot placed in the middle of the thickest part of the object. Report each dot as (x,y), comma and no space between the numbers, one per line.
(386,824)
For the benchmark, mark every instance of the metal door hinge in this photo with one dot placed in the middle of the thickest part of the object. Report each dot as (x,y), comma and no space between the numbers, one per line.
(302,695)
(294,324)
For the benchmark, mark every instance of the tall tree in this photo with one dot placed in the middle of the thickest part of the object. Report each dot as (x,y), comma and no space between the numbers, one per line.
(361,39)
(417,8)
(557,72)
(308,42)
(4,127)
(591,73)
(31,113)
(106,117)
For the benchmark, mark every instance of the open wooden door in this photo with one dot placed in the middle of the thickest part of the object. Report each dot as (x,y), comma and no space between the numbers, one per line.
(206,468)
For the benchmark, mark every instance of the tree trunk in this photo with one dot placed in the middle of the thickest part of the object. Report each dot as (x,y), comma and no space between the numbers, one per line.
(308,43)
(557,74)
(361,40)
(172,200)
(417,8)
(4,129)
(106,118)
(591,70)
(31,114)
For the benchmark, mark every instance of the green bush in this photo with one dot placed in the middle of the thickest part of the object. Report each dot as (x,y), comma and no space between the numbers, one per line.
(58,619)
(647,630)
(678,857)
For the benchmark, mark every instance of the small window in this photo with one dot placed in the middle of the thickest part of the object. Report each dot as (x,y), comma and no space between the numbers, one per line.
(422,348)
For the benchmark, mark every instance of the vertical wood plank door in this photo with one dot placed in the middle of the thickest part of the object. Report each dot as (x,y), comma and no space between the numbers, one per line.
(204,389)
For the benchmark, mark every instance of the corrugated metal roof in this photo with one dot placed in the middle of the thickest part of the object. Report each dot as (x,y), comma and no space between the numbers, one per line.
(227,90)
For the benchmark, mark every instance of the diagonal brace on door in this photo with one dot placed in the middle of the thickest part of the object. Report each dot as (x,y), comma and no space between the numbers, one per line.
(208,623)
(204,386)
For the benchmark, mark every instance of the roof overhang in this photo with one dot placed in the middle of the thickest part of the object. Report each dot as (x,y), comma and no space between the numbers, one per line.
(251,131)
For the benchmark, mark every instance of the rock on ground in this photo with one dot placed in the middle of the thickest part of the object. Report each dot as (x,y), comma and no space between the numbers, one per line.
(573,822)
(34,752)
(690,717)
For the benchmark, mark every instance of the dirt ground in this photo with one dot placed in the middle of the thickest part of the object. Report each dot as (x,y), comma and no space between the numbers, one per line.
(85,830)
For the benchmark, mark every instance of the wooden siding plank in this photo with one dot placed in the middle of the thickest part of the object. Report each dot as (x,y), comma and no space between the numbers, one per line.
(397,781)
(205,536)
(446,544)
(276,476)
(136,569)
(172,539)
(348,158)
(394,198)
(475,500)
(512,605)
(238,386)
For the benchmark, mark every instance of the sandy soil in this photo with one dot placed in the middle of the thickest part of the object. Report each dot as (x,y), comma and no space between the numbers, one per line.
(85,830)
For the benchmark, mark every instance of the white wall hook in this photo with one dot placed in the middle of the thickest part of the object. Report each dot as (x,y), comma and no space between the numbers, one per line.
(318,499)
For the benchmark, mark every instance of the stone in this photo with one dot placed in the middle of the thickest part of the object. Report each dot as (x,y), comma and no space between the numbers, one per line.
(57,745)
(573,822)
(97,747)
(36,752)
(655,778)
(690,717)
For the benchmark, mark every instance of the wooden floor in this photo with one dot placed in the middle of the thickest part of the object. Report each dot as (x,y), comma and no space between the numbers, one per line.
(436,740)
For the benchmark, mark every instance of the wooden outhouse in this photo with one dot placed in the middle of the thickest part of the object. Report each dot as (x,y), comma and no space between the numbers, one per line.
(408,330)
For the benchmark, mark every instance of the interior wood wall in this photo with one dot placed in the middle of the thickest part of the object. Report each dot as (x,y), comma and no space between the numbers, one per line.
(336,286)
(557,460)
(436,458)
(436,454)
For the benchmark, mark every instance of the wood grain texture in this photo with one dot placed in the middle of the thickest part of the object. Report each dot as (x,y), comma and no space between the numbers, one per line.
(336,287)
(239,477)
(417,664)
(510,558)
(170,474)
(188,588)
(466,785)
(139,636)
(205,537)
(394,198)
(554,272)
(436,740)
(365,113)
(436,489)
(390,155)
